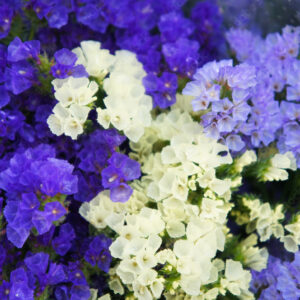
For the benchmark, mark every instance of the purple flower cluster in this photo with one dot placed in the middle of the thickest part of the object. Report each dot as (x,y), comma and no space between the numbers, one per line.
(171,38)
(33,183)
(101,166)
(39,276)
(276,97)
(280,280)
(223,91)
(254,103)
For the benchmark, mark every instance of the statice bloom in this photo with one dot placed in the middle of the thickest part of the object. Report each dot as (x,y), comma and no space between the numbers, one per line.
(280,280)
(31,181)
(10,123)
(20,74)
(63,242)
(162,89)
(65,65)
(38,273)
(223,90)
(6,14)
(93,158)
(120,169)
(182,55)
(56,12)
(98,252)
(207,17)
(275,114)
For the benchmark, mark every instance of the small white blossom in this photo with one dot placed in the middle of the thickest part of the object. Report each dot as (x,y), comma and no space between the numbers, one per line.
(278,165)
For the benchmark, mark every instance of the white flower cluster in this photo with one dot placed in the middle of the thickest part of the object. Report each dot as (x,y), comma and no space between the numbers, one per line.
(189,160)
(168,234)
(127,107)
(71,112)
(266,221)
(254,257)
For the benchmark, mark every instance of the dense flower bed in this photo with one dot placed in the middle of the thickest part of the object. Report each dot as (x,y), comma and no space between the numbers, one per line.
(147,152)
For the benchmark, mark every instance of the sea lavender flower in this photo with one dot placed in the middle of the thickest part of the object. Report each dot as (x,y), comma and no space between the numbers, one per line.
(63,242)
(277,67)
(6,14)
(223,90)
(28,186)
(120,169)
(65,65)
(98,253)
(279,280)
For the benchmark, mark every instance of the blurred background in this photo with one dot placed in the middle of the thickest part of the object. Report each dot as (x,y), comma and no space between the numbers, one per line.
(262,16)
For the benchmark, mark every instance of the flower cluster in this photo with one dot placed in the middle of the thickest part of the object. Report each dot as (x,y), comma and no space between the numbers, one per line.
(33,189)
(276,96)
(170,232)
(141,159)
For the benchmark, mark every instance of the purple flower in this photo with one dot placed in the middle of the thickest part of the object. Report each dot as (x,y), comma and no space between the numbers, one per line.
(280,280)
(98,253)
(54,210)
(17,236)
(56,274)
(20,77)
(111,177)
(243,43)
(234,142)
(173,25)
(37,263)
(120,168)
(18,51)
(182,56)
(92,16)
(41,222)
(242,76)
(4,96)
(63,242)
(5,290)
(6,14)
(121,193)
(65,65)
(80,292)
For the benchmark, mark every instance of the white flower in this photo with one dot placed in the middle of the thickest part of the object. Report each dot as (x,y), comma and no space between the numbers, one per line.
(75,90)
(236,279)
(191,284)
(126,60)
(292,240)
(264,219)
(104,297)
(56,121)
(166,255)
(96,61)
(116,286)
(278,164)
(71,112)
(209,180)
(147,277)
(246,159)
(254,257)
(141,292)
(175,228)
(156,288)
